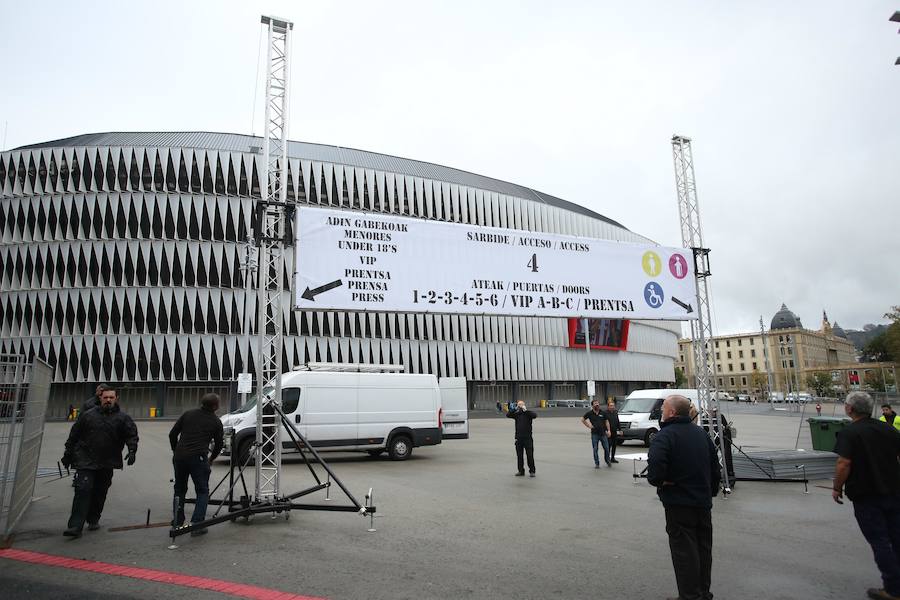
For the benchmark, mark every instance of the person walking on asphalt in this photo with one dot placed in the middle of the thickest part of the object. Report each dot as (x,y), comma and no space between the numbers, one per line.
(94,401)
(595,420)
(524,439)
(868,471)
(615,429)
(190,438)
(684,468)
(94,448)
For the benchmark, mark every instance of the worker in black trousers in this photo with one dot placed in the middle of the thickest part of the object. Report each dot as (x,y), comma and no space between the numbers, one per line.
(191,437)
(684,467)
(94,448)
(615,429)
(524,439)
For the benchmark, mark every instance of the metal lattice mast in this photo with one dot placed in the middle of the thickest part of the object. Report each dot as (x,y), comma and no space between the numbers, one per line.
(765,342)
(271,217)
(701,328)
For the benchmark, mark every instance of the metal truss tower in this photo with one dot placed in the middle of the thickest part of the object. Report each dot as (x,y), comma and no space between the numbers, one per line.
(270,217)
(701,328)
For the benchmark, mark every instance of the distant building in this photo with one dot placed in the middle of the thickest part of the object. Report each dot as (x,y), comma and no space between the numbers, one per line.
(794,352)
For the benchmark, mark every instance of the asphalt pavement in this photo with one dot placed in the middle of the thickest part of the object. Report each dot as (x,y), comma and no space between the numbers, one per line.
(453,522)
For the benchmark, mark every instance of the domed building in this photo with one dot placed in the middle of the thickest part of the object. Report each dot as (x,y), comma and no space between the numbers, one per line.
(786,354)
(785,319)
(120,262)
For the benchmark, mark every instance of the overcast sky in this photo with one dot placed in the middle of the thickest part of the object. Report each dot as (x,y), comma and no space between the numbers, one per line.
(792,108)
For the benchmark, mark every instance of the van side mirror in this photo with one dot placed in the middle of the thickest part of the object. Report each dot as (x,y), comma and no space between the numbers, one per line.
(656,414)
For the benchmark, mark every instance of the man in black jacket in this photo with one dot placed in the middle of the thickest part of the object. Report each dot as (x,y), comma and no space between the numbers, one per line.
(94,448)
(524,440)
(615,428)
(190,439)
(684,467)
(710,423)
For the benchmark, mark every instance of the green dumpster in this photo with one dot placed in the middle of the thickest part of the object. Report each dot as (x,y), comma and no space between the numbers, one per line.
(824,430)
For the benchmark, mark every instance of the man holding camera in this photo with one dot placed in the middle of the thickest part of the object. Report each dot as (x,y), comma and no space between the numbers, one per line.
(524,440)
(94,448)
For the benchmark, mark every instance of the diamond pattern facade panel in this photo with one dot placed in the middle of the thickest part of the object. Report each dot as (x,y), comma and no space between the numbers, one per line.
(121,263)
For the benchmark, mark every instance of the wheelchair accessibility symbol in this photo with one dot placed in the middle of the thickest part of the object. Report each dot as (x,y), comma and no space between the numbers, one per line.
(653,295)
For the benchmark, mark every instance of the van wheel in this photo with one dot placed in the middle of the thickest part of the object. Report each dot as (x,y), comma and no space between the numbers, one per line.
(648,437)
(400,448)
(244,451)
(375,453)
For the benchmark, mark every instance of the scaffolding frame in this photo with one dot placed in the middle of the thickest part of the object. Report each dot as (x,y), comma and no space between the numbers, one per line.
(701,328)
(271,217)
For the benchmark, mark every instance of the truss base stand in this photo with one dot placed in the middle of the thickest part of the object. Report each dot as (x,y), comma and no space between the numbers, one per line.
(245,507)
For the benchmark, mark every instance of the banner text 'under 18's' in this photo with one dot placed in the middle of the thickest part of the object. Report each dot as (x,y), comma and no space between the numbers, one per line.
(349,260)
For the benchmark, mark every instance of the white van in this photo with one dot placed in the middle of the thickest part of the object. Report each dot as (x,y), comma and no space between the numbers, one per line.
(347,411)
(639,414)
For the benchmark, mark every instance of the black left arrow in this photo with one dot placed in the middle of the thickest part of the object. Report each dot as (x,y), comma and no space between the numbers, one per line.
(686,307)
(310,294)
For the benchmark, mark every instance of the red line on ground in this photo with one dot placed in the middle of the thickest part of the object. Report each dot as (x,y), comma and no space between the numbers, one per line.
(241,590)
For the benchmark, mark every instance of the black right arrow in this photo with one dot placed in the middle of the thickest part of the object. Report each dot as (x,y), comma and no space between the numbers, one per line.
(310,294)
(686,307)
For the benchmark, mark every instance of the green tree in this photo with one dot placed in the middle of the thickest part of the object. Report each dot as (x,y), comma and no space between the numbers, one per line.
(821,383)
(892,335)
(876,350)
(758,380)
(680,379)
(875,380)
(885,347)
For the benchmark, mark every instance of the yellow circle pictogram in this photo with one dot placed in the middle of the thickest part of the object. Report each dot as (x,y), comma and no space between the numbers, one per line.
(651,263)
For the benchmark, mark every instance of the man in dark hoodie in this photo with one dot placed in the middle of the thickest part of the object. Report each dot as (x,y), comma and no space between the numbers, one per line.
(524,441)
(94,448)
(684,467)
(190,438)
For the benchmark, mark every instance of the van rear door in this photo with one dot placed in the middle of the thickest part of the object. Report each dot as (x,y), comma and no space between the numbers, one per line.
(455,405)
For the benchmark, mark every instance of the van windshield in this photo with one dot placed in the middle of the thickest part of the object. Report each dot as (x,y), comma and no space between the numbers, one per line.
(251,401)
(637,405)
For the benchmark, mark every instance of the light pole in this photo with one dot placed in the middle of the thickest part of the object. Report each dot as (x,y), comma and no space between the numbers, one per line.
(765,342)
(787,342)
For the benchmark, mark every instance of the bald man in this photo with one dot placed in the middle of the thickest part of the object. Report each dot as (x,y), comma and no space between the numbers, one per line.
(684,467)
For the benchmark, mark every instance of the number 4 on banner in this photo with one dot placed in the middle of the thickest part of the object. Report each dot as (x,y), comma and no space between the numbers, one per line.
(532,264)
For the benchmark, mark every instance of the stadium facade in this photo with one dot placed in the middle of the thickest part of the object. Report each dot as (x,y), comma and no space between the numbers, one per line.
(120,261)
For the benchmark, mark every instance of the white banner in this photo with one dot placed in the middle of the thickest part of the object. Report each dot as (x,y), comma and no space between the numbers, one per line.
(348,260)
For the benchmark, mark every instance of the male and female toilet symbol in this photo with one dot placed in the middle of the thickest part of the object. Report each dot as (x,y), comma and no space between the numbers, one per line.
(652,265)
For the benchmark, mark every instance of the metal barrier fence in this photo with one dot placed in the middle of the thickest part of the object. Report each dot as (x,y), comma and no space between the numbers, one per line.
(24,391)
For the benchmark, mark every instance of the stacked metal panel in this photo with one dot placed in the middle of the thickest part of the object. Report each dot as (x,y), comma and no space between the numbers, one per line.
(784,464)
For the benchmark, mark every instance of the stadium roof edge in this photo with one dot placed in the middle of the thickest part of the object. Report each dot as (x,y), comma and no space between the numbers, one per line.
(235,142)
